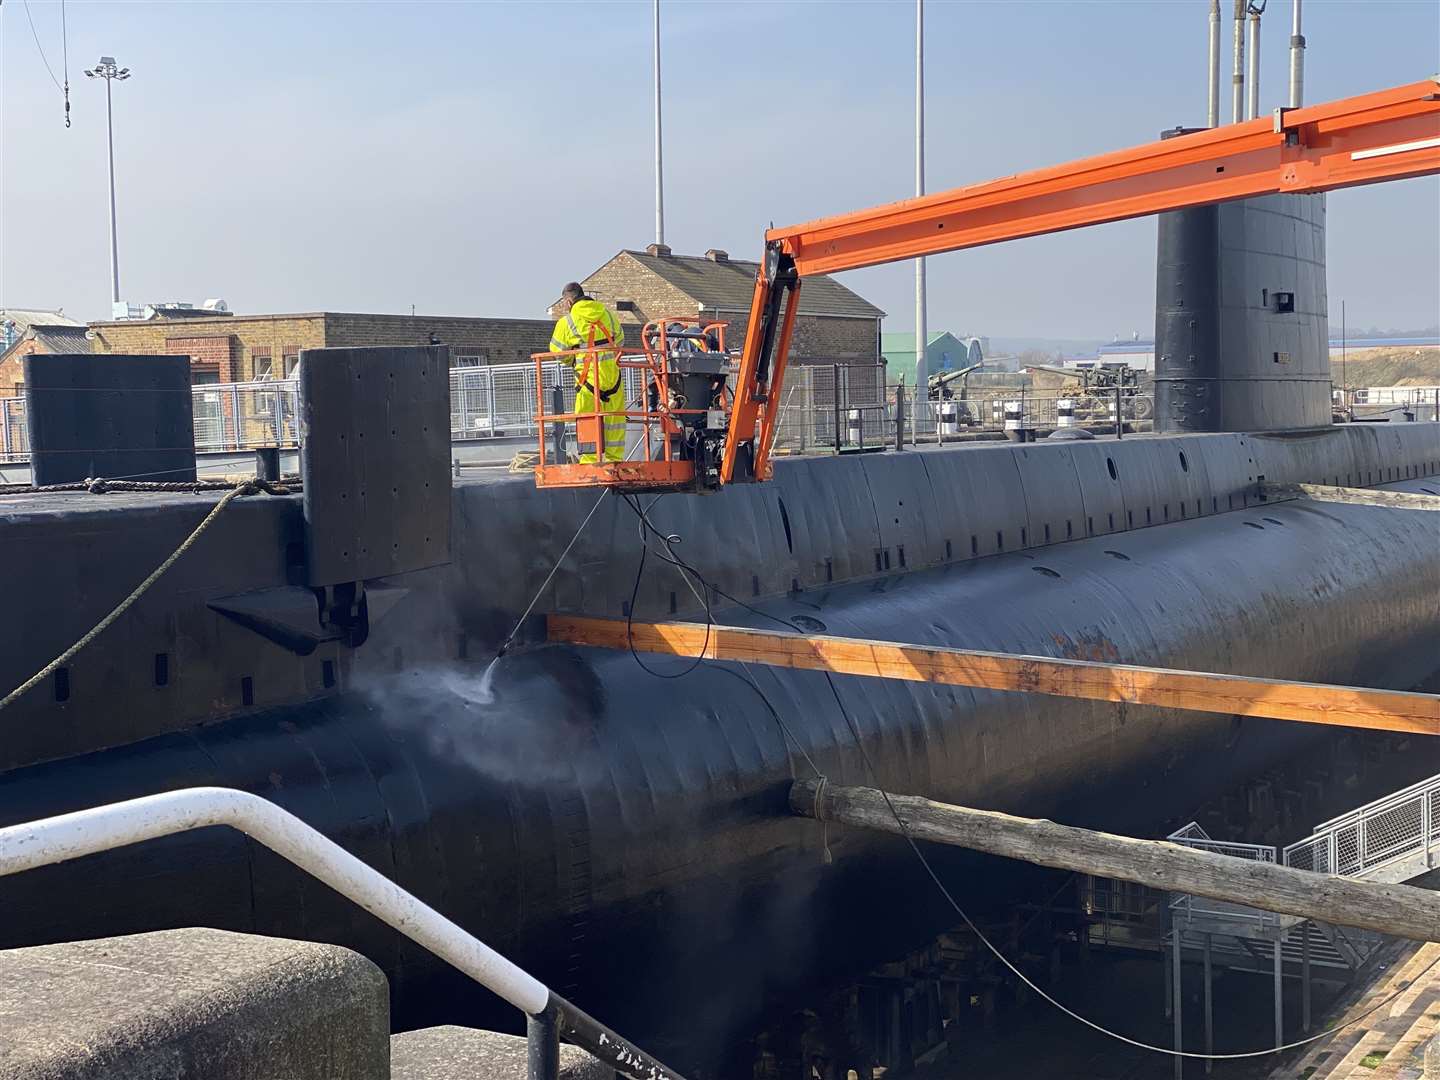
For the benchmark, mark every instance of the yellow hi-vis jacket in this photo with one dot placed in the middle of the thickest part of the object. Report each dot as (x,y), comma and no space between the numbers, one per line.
(573,331)
(591,322)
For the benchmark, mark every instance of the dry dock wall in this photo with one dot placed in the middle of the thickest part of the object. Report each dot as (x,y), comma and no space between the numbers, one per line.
(192,1004)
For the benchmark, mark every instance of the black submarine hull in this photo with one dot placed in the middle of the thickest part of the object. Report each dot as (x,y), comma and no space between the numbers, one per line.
(626,836)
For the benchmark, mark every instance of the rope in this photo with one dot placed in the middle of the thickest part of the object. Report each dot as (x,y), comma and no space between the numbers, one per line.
(247,487)
(286,485)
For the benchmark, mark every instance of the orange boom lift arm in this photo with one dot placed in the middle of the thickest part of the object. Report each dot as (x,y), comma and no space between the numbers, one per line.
(1387,135)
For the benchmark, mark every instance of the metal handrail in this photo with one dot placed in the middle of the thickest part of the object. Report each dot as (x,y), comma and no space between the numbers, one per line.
(1326,839)
(1383,803)
(103,828)
(1192,835)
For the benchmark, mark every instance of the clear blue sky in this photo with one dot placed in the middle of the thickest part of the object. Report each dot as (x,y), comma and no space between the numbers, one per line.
(471,157)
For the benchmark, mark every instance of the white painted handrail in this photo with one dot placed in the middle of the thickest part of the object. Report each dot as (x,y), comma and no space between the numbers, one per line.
(87,832)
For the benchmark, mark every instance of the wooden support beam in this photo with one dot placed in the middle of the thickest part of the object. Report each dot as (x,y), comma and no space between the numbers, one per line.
(1314,703)
(1402,910)
(1395,500)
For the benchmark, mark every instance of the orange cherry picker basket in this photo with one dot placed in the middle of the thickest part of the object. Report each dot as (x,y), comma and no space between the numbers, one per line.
(673,430)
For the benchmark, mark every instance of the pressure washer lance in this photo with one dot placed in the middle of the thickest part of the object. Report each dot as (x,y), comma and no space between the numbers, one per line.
(515,630)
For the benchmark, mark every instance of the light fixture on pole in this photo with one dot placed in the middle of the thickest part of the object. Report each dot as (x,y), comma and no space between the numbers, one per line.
(108,70)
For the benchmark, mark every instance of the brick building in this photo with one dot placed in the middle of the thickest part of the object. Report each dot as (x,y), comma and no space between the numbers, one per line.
(242,348)
(833,325)
(26,332)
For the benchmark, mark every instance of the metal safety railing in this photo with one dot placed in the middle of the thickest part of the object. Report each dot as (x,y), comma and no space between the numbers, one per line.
(834,408)
(1186,907)
(825,407)
(485,402)
(104,828)
(1403,827)
(14,432)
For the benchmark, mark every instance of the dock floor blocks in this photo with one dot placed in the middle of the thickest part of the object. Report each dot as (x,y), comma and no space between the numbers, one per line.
(1391,1044)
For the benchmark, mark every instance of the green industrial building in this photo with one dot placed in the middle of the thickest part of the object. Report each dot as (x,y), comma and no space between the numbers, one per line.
(944,351)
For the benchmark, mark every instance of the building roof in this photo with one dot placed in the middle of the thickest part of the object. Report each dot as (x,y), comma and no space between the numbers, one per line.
(60,338)
(63,338)
(24,318)
(729,285)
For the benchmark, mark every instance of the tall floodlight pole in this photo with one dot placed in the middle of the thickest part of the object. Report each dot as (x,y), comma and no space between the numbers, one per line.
(106,69)
(1297,59)
(1212,115)
(1237,76)
(659,168)
(921,336)
(1253,109)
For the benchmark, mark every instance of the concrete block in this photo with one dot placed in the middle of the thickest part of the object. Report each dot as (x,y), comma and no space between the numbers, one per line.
(193,1003)
(461,1053)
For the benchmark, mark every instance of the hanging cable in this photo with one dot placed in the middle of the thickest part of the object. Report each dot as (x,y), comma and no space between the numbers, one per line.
(915,847)
(945,892)
(65,89)
(669,540)
(65,60)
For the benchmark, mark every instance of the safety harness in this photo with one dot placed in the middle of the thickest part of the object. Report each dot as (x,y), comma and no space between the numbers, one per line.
(584,384)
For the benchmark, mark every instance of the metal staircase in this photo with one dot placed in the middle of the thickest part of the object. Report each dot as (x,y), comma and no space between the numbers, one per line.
(1390,840)
(1393,839)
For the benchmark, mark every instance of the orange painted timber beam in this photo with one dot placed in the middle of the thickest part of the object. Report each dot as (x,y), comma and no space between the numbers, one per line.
(1313,703)
(1386,135)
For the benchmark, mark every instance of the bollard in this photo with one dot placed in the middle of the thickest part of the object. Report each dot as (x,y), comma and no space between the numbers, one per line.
(1065,412)
(900,417)
(855,428)
(1119,418)
(557,431)
(267,463)
(949,420)
(1015,421)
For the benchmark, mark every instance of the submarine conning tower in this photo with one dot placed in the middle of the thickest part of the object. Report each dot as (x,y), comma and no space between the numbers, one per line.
(1241,322)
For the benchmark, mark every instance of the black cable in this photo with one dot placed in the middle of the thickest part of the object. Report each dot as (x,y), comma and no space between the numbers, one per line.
(40,48)
(749,679)
(950,899)
(644,524)
(684,566)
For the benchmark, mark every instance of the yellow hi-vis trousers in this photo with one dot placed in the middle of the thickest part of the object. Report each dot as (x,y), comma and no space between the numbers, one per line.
(612,424)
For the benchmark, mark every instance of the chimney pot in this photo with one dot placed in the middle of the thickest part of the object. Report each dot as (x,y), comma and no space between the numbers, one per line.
(717,255)
(657,249)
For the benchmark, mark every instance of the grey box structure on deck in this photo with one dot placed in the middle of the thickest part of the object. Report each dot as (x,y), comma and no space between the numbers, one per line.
(106,415)
(375,459)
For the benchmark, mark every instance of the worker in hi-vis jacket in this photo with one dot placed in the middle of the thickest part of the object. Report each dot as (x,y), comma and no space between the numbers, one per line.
(583,324)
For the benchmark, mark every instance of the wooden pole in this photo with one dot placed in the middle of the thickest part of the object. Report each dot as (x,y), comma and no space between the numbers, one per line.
(1344,706)
(1401,910)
